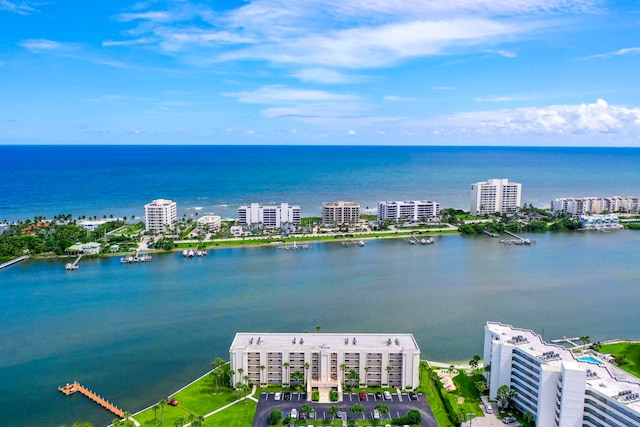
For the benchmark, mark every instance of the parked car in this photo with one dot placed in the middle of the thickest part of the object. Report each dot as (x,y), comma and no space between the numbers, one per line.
(287,395)
(294,414)
(172,401)
(379,395)
(387,395)
(508,420)
(277,396)
(488,408)
(339,414)
(413,395)
(363,395)
(376,414)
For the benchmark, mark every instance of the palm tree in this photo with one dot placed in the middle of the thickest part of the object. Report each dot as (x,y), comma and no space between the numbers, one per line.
(155,413)
(162,403)
(286,365)
(333,411)
(357,409)
(306,368)
(389,368)
(366,375)
(343,368)
(262,368)
(306,409)
(318,329)
(353,378)
(383,409)
(297,377)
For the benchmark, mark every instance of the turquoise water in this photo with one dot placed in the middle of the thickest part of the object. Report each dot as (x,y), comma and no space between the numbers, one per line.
(590,359)
(136,332)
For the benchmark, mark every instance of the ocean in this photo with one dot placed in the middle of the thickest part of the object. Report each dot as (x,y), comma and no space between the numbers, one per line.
(135,333)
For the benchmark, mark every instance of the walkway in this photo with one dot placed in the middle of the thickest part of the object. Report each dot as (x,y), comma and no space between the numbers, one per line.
(13,261)
(77,387)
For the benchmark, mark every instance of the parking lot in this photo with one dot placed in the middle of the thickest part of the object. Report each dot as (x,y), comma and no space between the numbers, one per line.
(398,405)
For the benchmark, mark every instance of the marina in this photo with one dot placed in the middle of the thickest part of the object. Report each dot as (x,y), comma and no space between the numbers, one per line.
(413,240)
(348,243)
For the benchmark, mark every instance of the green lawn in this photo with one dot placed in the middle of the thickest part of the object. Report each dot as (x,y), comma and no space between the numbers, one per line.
(631,353)
(433,395)
(466,389)
(197,399)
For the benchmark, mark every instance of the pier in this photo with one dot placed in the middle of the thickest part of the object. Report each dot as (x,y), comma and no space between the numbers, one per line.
(517,240)
(13,261)
(295,246)
(350,242)
(77,387)
(490,234)
(73,265)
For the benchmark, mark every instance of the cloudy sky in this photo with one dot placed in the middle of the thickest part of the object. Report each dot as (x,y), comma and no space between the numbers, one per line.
(369,72)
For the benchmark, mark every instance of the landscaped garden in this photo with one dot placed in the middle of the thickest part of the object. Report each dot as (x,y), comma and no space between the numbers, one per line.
(625,355)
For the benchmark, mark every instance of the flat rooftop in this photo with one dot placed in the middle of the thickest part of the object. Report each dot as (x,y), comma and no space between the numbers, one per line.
(605,378)
(256,341)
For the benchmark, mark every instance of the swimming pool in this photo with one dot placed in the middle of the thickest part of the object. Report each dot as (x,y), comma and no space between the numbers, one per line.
(590,359)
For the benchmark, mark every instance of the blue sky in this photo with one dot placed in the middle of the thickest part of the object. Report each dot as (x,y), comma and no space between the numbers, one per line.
(369,72)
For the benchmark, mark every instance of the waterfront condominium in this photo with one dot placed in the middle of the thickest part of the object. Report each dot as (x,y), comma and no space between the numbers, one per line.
(270,216)
(595,205)
(208,223)
(326,360)
(338,213)
(160,215)
(559,388)
(413,210)
(495,195)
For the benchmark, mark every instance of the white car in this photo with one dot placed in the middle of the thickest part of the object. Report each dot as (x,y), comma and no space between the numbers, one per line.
(294,413)
(277,396)
(376,414)
(488,408)
(387,395)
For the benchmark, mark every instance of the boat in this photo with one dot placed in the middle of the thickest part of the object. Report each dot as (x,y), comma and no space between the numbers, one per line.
(70,267)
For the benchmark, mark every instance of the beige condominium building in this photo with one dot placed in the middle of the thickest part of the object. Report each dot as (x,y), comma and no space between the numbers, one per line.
(337,213)
(326,360)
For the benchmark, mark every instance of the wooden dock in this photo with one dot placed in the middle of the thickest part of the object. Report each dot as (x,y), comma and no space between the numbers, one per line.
(13,261)
(77,387)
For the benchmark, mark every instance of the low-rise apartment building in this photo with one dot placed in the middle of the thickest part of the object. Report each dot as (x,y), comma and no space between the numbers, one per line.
(412,210)
(595,205)
(559,388)
(269,216)
(325,360)
(208,223)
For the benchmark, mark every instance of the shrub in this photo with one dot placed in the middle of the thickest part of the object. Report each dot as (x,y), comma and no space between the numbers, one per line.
(315,396)
(274,416)
(333,396)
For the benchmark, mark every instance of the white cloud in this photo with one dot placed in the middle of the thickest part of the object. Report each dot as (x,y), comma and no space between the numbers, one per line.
(353,34)
(351,132)
(283,94)
(44,45)
(19,7)
(323,75)
(598,118)
(619,52)
(396,98)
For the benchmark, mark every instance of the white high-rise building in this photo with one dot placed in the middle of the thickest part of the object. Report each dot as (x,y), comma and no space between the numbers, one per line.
(270,216)
(160,214)
(387,360)
(559,388)
(209,223)
(340,213)
(413,210)
(495,195)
